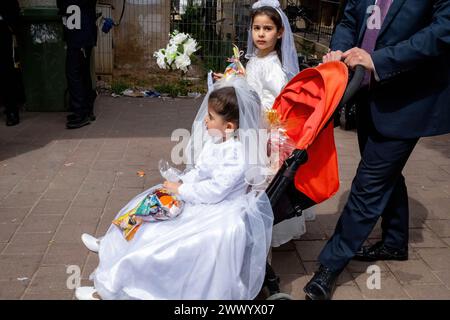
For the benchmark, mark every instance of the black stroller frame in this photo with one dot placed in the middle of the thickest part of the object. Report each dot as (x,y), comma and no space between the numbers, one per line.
(286,201)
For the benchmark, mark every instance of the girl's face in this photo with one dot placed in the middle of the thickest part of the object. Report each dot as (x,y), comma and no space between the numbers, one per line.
(216,125)
(265,34)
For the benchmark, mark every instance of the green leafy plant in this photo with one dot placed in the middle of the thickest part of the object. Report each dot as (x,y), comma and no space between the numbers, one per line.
(119,85)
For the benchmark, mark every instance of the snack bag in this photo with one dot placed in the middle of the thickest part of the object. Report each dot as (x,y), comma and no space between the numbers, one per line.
(159,205)
(128,224)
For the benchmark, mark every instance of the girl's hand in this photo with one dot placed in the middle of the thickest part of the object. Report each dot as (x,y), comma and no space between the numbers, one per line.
(217,76)
(172,186)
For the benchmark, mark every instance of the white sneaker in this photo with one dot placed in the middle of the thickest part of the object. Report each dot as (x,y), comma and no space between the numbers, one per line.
(90,242)
(85,293)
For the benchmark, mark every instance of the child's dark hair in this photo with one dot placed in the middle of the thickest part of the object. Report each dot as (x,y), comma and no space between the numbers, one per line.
(225,103)
(273,14)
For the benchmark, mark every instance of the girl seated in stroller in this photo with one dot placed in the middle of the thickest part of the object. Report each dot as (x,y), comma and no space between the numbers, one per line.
(217,247)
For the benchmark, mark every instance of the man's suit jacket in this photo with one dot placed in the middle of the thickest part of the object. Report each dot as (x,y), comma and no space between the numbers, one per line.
(87,35)
(412,60)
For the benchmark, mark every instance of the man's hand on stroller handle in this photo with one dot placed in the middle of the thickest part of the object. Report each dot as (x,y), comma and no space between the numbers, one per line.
(352,58)
(332,56)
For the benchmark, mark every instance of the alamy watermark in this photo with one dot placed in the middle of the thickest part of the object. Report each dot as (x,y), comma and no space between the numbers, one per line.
(73,19)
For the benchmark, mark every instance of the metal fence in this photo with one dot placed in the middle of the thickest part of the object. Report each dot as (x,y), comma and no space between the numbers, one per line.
(314,19)
(215,24)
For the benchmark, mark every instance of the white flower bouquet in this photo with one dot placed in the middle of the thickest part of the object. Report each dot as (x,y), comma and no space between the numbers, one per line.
(177,54)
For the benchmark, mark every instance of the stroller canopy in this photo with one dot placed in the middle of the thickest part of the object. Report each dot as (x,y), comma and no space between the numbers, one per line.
(305,107)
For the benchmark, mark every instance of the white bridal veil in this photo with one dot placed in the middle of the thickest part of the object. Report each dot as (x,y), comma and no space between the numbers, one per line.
(288,51)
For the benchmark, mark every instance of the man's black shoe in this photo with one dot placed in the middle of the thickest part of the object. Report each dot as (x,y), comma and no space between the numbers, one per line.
(72,117)
(78,122)
(322,284)
(12,119)
(381,252)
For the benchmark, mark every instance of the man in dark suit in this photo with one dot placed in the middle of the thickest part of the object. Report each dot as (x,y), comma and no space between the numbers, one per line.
(405,46)
(10,86)
(80,40)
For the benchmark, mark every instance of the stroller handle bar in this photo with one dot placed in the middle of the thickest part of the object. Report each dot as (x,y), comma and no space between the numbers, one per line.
(353,86)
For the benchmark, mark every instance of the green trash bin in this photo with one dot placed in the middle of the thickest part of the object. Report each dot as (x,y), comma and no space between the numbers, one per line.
(43,56)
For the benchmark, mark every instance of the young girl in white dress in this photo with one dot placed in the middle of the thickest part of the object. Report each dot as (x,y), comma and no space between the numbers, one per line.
(273,61)
(217,247)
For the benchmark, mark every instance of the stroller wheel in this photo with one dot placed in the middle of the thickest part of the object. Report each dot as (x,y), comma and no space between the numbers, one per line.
(280,296)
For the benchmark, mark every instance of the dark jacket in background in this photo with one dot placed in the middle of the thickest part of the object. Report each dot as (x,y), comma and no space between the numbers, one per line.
(87,35)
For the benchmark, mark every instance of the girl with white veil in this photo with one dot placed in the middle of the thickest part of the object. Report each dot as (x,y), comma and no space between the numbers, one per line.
(273,61)
(217,247)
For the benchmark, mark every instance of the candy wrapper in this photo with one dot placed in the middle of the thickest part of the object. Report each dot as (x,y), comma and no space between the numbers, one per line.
(129,224)
(159,205)
(235,67)
(280,145)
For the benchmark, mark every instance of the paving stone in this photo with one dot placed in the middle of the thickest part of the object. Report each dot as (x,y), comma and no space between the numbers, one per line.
(293,285)
(83,215)
(44,223)
(288,246)
(428,292)
(309,250)
(7,230)
(343,292)
(63,193)
(49,295)
(423,238)
(72,232)
(390,288)
(66,253)
(50,280)
(28,243)
(123,194)
(287,262)
(93,200)
(314,231)
(440,227)
(20,200)
(437,258)
(47,206)
(443,276)
(412,272)
(35,186)
(446,240)
(14,266)
(11,290)
(355,266)
(106,165)
(90,265)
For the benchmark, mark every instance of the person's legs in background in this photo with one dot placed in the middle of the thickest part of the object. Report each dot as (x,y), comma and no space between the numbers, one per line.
(9,86)
(79,97)
(87,76)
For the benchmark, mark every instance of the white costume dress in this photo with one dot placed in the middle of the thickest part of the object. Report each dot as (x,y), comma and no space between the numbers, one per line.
(266,76)
(215,249)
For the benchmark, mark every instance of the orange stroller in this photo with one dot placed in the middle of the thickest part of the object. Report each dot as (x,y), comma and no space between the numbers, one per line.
(310,175)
